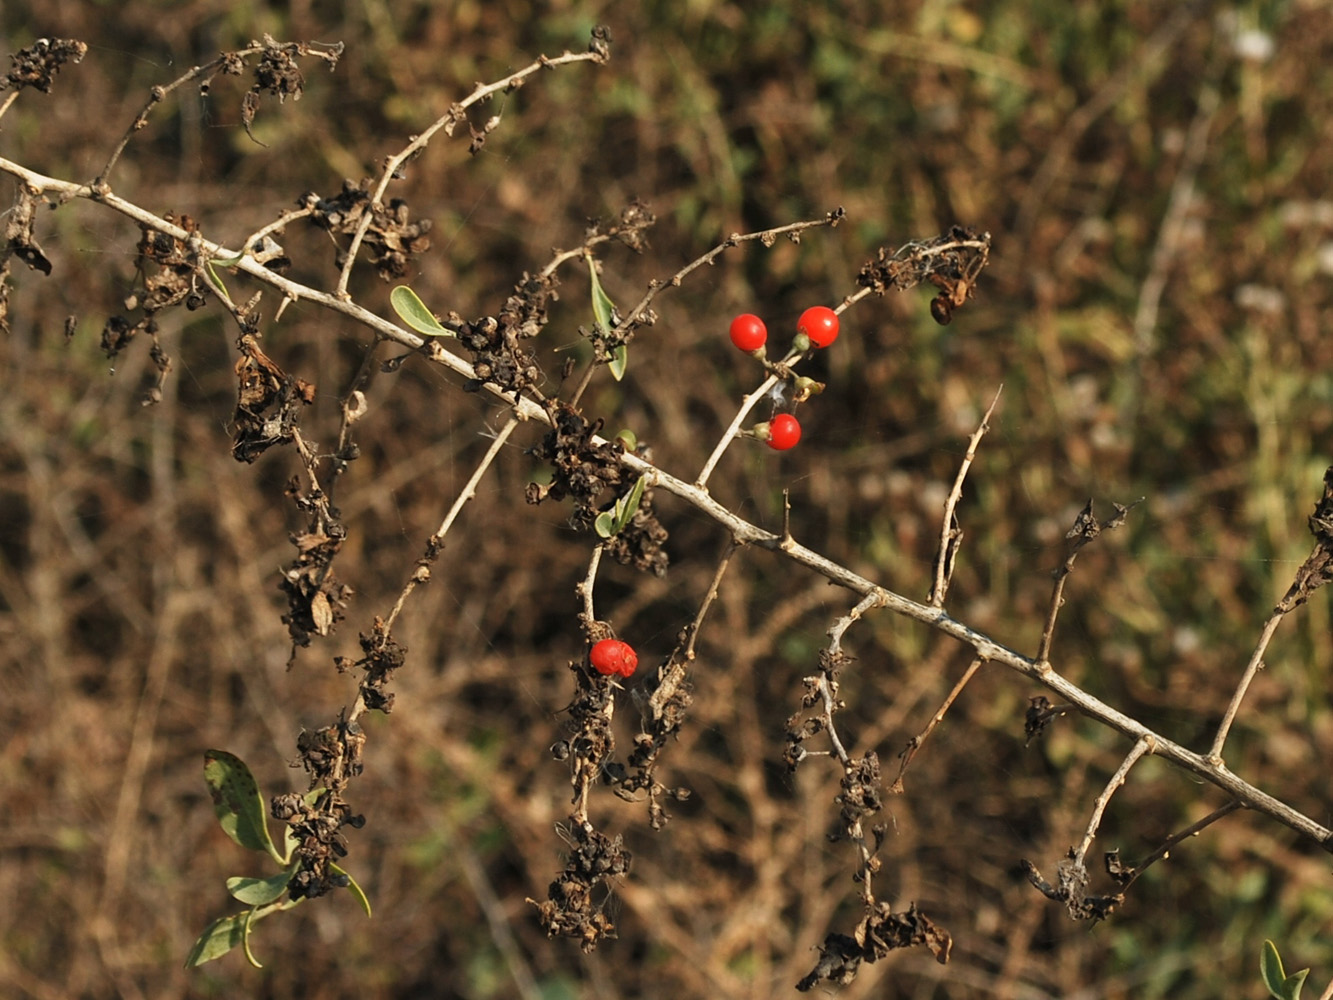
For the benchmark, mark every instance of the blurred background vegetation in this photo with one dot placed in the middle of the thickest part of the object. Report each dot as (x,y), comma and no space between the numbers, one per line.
(1155,177)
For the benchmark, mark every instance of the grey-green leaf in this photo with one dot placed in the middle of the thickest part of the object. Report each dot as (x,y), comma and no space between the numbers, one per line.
(237,802)
(259,891)
(221,937)
(602,306)
(214,280)
(619,361)
(628,505)
(1270,969)
(1279,984)
(412,311)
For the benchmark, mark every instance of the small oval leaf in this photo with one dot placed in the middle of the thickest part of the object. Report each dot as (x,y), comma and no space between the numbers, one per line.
(632,499)
(258,891)
(605,524)
(602,306)
(619,361)
(236,800)
(221,937)
(412,311)
(1270,969)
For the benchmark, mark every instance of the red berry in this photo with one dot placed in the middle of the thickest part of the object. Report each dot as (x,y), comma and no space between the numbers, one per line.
(611,656)
(820,324)
(783,432)
(748,332)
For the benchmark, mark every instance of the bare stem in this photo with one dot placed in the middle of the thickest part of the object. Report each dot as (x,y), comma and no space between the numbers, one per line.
(1144,745)
(586,587)
(766,236)
(468,492)
(914,744)
(747,404)
(825,684)
(1193,830)
(1251,669)
(950,534)
(722,566)
(446,122)
(1053,612)
(840,627)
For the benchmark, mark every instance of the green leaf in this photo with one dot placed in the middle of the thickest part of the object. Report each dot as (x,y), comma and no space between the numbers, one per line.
(1270,968)
(354,888)
(603,314)
(628,505)
(619,360)
(1279,984)
(237,802)
(221,937)
(612,522)
(259,891)
(602,306)
(214,280)
(226,933)
(412,311)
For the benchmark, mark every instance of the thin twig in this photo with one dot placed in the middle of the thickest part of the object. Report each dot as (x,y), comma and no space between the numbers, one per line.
(747,404)
(835,655)
(840,627)
(586,587)
(158,94)
(829,697)
(446,122)
(1251,669)
(950,534)
(467,493)
(723,565)
(1086,528)
(1144,745)
(1057,602)
(766,236)
(1193,830)
(914,744)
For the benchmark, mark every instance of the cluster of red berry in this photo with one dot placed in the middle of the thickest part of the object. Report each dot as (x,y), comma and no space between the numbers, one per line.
(818,326)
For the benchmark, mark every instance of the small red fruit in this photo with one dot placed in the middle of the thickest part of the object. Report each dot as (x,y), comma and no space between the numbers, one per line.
(820,324)
(783,432)
(611,656)
(748,332)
